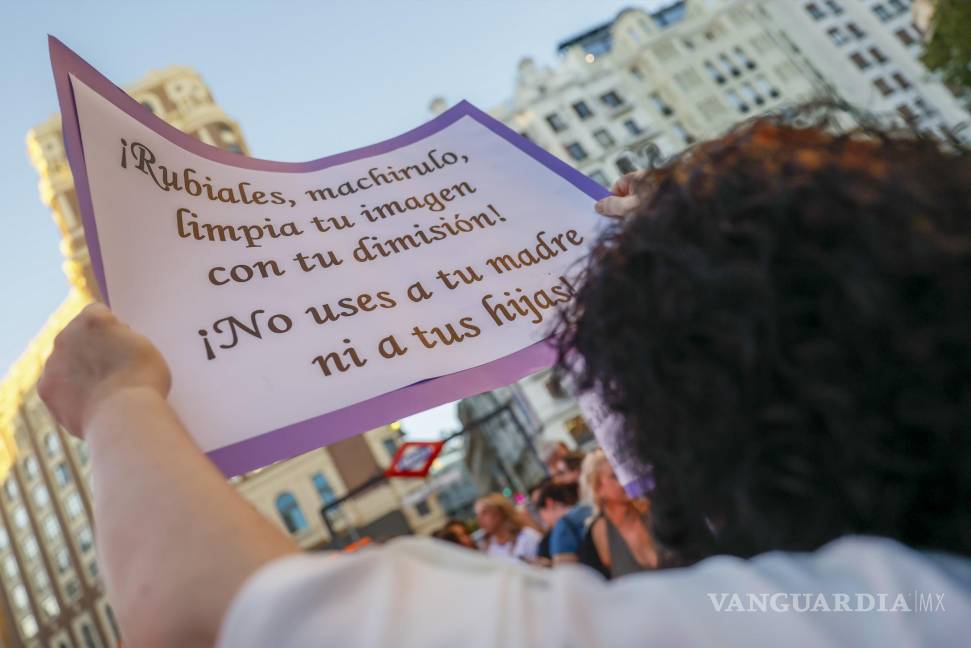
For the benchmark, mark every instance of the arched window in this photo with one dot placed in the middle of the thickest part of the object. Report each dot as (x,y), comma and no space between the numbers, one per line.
(323,488)
(286,505)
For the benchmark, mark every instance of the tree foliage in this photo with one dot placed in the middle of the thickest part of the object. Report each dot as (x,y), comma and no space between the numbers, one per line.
(949,49)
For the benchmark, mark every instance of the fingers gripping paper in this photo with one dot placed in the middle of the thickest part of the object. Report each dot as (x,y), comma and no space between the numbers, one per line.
(298,304)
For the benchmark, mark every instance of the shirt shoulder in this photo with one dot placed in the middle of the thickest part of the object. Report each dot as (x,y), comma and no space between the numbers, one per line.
(418,592)
(568,531)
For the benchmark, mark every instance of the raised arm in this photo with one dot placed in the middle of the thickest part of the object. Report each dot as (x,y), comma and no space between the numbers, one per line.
(175,541)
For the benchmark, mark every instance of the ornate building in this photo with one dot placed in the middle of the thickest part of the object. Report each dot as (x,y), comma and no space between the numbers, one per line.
(51,595)
(658,81)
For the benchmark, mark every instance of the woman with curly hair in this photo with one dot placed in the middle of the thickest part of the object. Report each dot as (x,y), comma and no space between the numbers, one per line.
(782,320)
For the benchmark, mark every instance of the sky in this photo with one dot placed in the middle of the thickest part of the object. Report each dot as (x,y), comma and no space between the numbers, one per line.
(304,80)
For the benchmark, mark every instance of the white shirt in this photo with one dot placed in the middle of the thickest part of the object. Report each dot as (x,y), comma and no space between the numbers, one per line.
(525,546)
(419,593)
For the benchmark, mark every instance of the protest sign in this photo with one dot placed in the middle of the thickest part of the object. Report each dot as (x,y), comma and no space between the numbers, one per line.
(301,303)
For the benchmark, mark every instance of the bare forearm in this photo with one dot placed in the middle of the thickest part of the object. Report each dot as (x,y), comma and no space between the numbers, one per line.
(175,540)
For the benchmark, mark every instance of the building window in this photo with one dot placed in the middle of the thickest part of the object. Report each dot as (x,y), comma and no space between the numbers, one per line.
(31,548)
(30,467)
(713,72)
(110,613)
(293,519)
(41,496)
(51,528)
(901,80)
(72,590)
(884,87)
(636,72)
(579,431)
(837,36)
(905,37)
(85,539)
(556,122)
(611,99)
(685,136)
(63,560)
(576,151)
(20,518)
(751,94)
(324,490)
(729,66)
(744,58)
(859,60)
(148,106)
(632,127)
(603,137)
(423,508)
(813,9)
(877,55)
(854,29)
(923,107)
(882,12)
(4,538)
(660,105)
(28,626)
(898,5)
(766,88)
(599,177)
(19,597)
(62,475)
(582,110)
(390,446)
(10,567)
(83,455)
(51,444)
(10,488)
(41,582)
(50,607)
(740,105)
(73,506)
(834,6)
(90,635)
(624,165)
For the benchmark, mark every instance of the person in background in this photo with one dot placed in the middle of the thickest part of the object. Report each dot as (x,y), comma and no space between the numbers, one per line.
(552,501)
(617,541)
(553,452)
(456,532)
(567,469)
(507,533)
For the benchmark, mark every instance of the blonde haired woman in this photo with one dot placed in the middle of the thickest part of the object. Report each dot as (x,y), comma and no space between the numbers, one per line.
(507,534)
(617,541)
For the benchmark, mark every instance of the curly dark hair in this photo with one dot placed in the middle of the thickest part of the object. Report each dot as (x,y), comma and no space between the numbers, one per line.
(785,328)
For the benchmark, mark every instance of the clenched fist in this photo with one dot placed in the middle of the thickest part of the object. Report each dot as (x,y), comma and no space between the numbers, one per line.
(94,357)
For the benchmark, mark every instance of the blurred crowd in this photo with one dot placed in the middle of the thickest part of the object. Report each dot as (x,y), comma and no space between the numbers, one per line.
(579,514)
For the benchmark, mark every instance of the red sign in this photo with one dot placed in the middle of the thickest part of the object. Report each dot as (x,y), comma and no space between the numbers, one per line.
(414,458)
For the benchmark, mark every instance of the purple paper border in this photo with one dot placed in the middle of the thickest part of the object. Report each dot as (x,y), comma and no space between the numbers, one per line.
(333,426)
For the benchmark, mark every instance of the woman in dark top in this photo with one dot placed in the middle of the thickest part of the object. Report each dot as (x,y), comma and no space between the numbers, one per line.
(617,541)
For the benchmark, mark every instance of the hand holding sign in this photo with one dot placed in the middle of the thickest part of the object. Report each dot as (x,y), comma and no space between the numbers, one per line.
(298,304)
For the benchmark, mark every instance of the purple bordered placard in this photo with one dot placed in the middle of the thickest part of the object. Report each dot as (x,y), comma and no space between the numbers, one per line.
(354,419)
